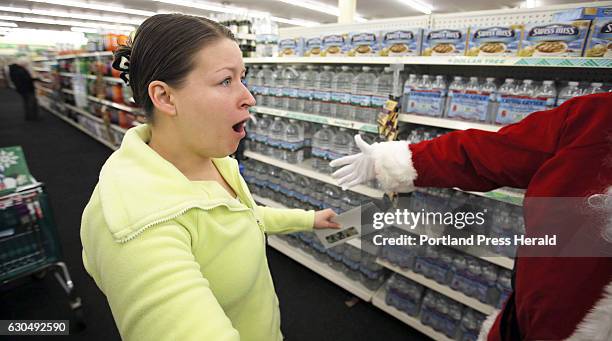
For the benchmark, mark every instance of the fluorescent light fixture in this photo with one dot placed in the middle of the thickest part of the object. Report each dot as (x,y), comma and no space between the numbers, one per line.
(214,7)
(66,23)
(83,29)
(97,7)
(71,15)
(320,7)
(529,4)
(7,24)
(43,37)
(296,22)
(418,5)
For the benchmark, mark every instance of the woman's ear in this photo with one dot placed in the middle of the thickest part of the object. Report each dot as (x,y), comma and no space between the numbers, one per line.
(162,98)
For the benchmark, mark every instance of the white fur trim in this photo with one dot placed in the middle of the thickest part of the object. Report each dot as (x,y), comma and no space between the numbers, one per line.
(393,166)
(597,324)
(487,325)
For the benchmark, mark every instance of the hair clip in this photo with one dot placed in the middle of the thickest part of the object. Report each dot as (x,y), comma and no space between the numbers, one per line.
(123,64)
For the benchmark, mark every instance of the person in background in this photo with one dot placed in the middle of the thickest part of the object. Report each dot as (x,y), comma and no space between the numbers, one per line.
(566,153)
(24,85)
(171,234)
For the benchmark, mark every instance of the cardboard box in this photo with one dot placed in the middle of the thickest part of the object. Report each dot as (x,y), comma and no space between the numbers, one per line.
(599,43)
(313,47)
(445,42)
(404,42)
(335,45)
(559,39)
(291,47)
(495,41)
(363,44)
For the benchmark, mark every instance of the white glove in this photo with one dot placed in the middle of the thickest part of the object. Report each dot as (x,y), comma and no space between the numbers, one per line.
(358,168)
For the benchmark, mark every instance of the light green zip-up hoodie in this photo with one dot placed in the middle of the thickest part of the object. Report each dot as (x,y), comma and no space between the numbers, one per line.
(178,259)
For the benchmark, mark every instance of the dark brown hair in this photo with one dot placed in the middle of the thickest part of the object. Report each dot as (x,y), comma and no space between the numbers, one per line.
(163,49)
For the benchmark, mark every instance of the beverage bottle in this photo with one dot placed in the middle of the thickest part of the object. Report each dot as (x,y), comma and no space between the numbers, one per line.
(548,93)
(264,77)
(504,94)
(276,138)
(594,88)
(341,94)
(252,80)
(293,143)
(383,88)
(290,89)
(489,88)
(276,88)
(323,90)
(439,87)
(409,85)
(361,95)
(321,142)
(306,86)
(341,144)
(455,88)
(570,91)
(263,129)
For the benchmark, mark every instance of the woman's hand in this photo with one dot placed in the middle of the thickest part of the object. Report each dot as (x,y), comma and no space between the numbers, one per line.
(323,219)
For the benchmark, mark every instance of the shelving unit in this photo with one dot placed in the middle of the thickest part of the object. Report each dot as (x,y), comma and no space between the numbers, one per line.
(79,127)
(442,289)
(115,105)
(378,300)
(324,270)
(541,62)
(336,122)
(446,123)
(305,169)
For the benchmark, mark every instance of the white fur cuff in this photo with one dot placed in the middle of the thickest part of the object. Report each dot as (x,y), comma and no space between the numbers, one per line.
(393,166)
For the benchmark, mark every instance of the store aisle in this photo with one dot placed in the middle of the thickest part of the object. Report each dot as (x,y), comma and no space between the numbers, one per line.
(68,161)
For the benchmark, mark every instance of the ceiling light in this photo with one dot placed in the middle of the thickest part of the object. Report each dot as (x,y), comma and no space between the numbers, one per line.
(7,24)
(320,7)
(213,7)
(66,22)
(418,5)
(529,4)
(296,22)
(106,8)
(71,15)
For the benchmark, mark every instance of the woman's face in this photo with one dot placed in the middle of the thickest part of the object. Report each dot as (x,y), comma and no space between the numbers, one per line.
(212,104)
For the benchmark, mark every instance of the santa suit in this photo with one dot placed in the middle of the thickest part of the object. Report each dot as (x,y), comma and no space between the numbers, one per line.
(564,152)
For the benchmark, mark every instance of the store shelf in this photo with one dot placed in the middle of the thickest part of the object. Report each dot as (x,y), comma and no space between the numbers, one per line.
(41,88)
(94,54)
(310,262)
(68,91)
(67,74)
(316,119)
(41,69)
(550,62)
(116,105)
(446,123)
(507,196)
(379,301)
(79,127)
(245,36)
(106,78)
(306,170)
(442,289)
(84,113)
(45,80)
(271,203)
(268,202)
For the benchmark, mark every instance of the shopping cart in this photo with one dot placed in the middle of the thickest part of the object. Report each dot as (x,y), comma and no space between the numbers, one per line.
(29,244)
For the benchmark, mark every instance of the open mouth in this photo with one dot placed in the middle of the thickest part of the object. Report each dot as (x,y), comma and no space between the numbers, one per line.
(239,127)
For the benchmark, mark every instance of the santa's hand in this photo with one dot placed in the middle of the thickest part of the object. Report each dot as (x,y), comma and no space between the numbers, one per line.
(358,168)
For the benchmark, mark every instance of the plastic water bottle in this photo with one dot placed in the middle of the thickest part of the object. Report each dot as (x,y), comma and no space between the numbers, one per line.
(333,197)
(293,143)
(321,143)
(252,80)
(276,87)
(594,88)
(323,91)
(439,86)
(570,91)
(341,94)
(277,136)
(457,86)
(264,77)
(341,144)
(507,88)
(383,87)
(489,88)
(361,95)
(409,85)
(527,89)
(306,86)
(263,129)
(290,88)
(548,92)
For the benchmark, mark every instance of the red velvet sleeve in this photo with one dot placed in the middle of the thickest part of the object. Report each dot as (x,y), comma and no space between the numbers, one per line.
(478,160)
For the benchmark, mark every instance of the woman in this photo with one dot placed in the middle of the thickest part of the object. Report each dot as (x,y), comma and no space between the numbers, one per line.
(171,234)
(562,157)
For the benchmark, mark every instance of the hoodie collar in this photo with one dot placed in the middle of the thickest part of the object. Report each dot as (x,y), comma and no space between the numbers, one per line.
(138,188)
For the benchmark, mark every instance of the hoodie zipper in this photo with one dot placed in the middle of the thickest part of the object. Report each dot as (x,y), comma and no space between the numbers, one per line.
(178,214)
